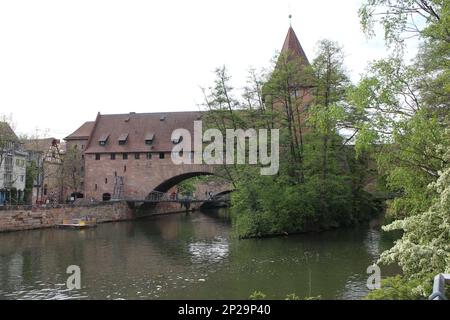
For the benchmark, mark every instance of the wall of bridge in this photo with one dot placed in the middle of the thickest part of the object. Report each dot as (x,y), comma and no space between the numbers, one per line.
(140,176)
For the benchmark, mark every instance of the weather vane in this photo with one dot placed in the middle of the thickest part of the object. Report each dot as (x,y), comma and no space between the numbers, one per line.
(290,15)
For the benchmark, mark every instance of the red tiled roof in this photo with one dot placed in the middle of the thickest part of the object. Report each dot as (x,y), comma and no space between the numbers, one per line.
(82,132)
(292,46)
(139,127)
(40,145)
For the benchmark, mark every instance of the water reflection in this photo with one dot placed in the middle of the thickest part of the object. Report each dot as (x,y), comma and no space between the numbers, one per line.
(209,252)
(185,257)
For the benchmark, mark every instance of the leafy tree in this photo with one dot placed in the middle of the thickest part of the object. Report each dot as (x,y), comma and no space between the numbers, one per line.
(424,249)
(403,19)
(31,174)
(405,108)
(70,177)
(315,188)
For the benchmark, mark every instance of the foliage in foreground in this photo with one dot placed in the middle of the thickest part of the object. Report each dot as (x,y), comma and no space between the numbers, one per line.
(258,295)
(407,108)
(424,249)
(395,288)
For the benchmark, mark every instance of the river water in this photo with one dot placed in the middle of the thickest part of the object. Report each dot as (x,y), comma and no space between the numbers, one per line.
(183,256)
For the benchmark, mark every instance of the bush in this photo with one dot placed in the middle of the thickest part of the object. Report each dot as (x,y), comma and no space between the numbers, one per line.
(396,288)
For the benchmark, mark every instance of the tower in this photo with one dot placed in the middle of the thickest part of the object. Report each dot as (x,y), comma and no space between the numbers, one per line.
(292,49)
(289,90)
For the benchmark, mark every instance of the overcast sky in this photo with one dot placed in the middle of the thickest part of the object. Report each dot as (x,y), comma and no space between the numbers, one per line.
(63,61)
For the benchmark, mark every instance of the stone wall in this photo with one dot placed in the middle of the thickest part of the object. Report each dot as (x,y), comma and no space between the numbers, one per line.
(40,217)
(214,186)
(27,218)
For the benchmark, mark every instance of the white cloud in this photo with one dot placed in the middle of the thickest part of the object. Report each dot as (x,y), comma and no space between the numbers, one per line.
(62,61)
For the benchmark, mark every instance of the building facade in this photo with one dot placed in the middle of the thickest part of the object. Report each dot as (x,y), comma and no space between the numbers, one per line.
(125,155)
(13,164)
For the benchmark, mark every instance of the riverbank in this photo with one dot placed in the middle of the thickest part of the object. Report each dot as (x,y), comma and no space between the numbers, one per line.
(28,218)
(19,218)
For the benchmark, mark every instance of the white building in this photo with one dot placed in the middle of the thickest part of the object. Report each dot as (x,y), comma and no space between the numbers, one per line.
(13,163)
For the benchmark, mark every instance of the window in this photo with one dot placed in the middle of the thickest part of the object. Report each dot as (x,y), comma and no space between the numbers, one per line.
(106,180)
(45,189)
(21,178)
(137,156)
(97,156)
(103,139)
(8,178)
(82,147)
(149,138)
(17,162)
(125,156)
(124,168)
(161,155)
(82,156)
(113,156)
(149,155)
(123,138)
(96,187)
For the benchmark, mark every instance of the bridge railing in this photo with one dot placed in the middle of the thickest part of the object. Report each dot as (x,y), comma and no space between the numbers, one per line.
(157,196)
(439,284)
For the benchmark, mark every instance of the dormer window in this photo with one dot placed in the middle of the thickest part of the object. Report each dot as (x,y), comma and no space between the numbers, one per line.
(149,138)
(162,118)
(103,140)
(123,138)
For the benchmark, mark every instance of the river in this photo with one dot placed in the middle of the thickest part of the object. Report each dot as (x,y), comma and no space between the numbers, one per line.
(184,256)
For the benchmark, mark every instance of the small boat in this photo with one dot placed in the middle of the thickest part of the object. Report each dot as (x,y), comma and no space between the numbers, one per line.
(78,223)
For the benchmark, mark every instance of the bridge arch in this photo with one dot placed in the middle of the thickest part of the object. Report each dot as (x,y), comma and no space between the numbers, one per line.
(175,180)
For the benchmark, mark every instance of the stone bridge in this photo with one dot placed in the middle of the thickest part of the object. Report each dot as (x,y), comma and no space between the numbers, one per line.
(128,156)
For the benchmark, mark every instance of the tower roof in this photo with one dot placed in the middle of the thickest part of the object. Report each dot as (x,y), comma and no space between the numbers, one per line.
(293,48)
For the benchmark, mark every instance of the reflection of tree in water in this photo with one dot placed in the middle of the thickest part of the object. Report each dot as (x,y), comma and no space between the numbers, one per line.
(372,244)
(329,264)
(173,235)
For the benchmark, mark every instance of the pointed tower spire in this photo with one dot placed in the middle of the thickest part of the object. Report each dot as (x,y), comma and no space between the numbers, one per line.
(292,47)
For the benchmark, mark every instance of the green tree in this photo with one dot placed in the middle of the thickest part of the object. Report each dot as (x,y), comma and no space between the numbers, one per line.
(424,249)
(31,175)
(405,109)
(314,188)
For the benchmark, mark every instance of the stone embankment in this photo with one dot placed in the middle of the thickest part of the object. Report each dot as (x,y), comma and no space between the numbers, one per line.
(15,218)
